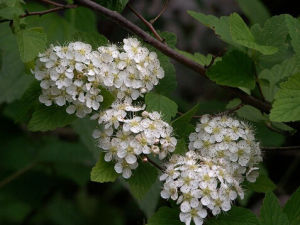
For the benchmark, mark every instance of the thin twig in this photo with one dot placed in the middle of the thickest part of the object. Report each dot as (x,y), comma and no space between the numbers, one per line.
(119,19)
(270,127)
(147,159)
(286,148)
(149,25)
(230,111)
(44,12)
(258,85)
(161,12)
(17,174)
(52,3)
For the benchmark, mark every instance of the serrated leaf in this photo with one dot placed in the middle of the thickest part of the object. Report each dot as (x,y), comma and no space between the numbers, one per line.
(142,180)
(165,216)
(263,184)
(13,80)
(293,25)
(276,74)
(242,35)
(271,212)
(236,216)
(162,104)
(47,118)
(219,25)
(181,123)
(254,10)
(236,70)
(197,57)
(286,106)
(103,171)
(31,41)
(292,208)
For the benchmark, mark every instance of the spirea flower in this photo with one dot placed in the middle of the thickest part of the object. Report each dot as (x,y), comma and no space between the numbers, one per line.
(222,153)
(72,75)
(226,138)
(124,137)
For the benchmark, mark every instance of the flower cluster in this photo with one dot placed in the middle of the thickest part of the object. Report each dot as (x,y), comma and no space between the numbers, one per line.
(221,153)
(124,138)
(72,75)
(222,137)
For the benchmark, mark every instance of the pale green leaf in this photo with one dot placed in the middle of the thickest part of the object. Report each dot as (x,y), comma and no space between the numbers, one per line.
(271,212)
(165,216)
(242,35)
(254,10)
(31,42)
(292,208)
(236,70)
(47,118)
(162,104)
(103,171)
(286,107)
(181,147)
(142,180)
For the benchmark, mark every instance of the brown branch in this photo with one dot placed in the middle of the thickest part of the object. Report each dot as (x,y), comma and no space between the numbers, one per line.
(44,12)
(15,175)
(122,21)
(230,111)
(161,12)
(52,3)
(147,159)
(286,148)
(149,25)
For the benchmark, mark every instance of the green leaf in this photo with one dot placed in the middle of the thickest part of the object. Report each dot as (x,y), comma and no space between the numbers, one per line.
(254,10)
(93,38)
(293,25)
(277,74)
(236,70)
(13,81)
(21,110)
(11,9)
(181,123)
(103,171)
(165,216)
(150,200)
(167,85)
(47,118)
(271,212)
(162,104)
(84,128)
(197,57)
(169,37)
(286,107)
(236,216)
(31,42)
(292,208)
(108,98)
(142,180)
(181,147)
(242,35)
(54,150)
(219,25)
(263,184)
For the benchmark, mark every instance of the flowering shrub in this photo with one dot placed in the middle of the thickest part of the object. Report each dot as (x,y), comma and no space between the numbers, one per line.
(91,102)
